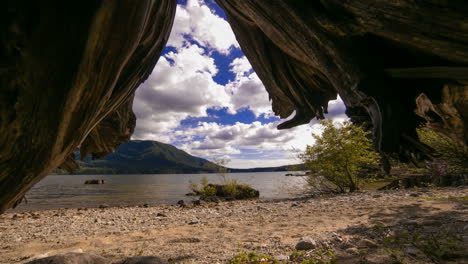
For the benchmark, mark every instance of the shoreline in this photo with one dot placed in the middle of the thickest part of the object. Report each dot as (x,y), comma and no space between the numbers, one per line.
(214,233)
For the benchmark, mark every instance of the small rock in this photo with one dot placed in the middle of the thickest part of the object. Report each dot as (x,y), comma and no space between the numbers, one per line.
(181,202)
(294,205)
(197,202)
(193,222)
(161,215)
(465,228)
(18,215)
(415,194)
(413,251)
(146,205)
(143,260)
(72,258)
(281,258)
(367,243)
(352,251)
(102,206)
(338,239)
(306,243)
(186,240)
(376,196)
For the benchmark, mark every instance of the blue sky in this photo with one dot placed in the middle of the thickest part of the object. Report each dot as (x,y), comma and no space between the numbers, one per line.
(204,97)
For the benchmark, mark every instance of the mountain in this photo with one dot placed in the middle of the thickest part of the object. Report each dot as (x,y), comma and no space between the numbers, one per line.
(146,157)
(153,157)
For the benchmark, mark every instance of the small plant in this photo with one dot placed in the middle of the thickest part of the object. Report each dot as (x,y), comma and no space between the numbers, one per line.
(320,256)
(296,254)
(441,246)
(203,189)
(396,255)
(230,188)
(252,258)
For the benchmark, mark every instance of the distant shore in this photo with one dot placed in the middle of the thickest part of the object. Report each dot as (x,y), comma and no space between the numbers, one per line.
(353,226)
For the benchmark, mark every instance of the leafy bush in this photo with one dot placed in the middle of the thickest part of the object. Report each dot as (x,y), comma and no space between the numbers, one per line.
(451,158)
(339,156)
(204,188)
(230,188)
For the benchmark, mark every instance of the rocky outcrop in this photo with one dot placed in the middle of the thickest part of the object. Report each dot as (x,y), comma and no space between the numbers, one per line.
(68,73)
(67,78)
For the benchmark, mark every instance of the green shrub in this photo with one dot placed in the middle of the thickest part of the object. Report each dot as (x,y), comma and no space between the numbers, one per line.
(339,156)
(440,246)
(252,258)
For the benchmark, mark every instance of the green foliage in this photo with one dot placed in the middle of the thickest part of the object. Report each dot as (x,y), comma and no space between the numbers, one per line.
(203,189)
(297,254)
(339,155)
(455,156)
(441,246)
(230,188)
(252,258)
(320,256)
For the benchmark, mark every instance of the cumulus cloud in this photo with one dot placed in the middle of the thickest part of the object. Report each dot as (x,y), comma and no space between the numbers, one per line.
(181,85)
(246,90)
(240,136)
(197,22)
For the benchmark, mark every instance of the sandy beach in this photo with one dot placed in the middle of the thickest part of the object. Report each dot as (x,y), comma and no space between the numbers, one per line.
(356,227)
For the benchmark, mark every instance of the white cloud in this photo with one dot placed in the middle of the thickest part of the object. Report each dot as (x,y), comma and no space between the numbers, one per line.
(181,85)
(204,26)
(241,66)
(213,137)
(247,91)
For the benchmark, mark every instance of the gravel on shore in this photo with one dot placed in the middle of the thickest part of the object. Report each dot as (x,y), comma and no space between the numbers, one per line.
(214,232)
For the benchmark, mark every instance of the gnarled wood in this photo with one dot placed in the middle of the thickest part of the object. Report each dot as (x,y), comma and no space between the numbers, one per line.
(68,72)
(66,69)
(306,52)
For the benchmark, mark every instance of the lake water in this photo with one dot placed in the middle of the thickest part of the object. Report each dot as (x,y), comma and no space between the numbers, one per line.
(69,191)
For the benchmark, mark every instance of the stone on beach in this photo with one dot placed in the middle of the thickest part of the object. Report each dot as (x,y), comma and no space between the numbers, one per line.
(72,258)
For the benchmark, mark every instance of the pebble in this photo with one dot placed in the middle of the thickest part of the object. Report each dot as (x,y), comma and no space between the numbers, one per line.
(366,243)
(352,251)
(193,222)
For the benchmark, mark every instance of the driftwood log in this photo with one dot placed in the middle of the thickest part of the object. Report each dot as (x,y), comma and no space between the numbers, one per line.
(68,73)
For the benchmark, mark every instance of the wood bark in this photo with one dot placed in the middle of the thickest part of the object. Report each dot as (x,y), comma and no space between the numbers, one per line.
(68,75)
